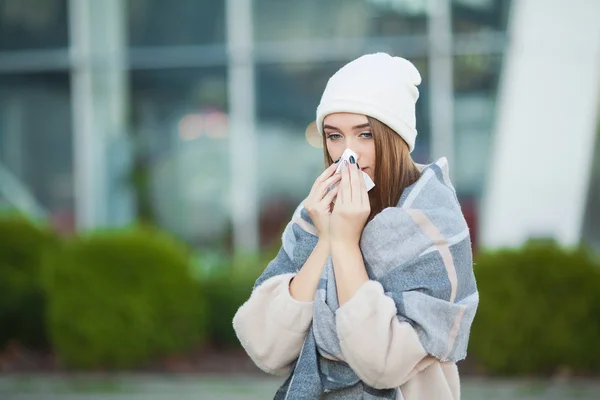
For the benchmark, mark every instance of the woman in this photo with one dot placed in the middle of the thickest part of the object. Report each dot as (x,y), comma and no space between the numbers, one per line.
(372,294)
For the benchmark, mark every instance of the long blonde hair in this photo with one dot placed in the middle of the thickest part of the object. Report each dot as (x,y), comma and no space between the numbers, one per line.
(395,169)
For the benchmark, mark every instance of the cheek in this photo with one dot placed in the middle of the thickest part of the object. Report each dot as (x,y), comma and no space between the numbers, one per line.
(369,153)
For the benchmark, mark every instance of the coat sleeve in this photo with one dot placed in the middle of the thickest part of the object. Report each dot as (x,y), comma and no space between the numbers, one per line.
(271,325)
(382,351)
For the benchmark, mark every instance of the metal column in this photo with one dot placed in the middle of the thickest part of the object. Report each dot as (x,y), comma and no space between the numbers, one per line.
(441,79)
(99,100)
(242,134)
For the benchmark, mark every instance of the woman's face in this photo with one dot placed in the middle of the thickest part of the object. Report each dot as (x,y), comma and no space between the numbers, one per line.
(352,131)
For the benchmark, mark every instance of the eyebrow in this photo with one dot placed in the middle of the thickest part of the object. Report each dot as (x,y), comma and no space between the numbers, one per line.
(362,126)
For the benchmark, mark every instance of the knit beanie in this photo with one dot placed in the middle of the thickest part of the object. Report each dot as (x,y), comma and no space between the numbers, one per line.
(379,86)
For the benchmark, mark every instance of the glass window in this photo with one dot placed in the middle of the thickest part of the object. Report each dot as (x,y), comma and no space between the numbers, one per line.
(33,24)
(175,23)
(276,20)
(475,86)
(591,220)
(475,90)
(181,171)
(472,16)
(36,143)
(288,95)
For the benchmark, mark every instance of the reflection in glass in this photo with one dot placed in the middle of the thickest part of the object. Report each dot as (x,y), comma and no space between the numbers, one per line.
(591,219)
(181,172)
(33,24)
(479,16)
(277,20)
(175,23)
(36,141)
(475,89)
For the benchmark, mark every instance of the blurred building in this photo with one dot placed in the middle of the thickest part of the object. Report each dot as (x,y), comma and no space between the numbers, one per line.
(192,113)
(544,178)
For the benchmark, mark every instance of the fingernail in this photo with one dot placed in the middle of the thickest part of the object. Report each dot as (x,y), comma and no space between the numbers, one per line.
(352,161)
(337,161)
(357,165)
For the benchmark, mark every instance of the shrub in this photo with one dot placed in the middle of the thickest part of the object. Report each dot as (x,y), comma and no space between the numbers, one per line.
(225,290)
(539,311)
(120,299)
(22,244)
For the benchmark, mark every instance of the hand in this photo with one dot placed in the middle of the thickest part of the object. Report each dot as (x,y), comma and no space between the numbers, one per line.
(318,203)
(352,207)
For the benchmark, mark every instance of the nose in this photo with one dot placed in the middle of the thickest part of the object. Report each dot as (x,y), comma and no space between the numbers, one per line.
(354,146)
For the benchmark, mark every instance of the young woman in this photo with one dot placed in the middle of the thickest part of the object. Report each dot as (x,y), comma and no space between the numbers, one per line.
(372,294)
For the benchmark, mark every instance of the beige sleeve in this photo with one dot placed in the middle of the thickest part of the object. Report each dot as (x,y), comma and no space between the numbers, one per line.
(382,351)
(272,325)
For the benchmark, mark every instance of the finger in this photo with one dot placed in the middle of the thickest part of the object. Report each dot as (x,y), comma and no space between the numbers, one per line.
(363,189)
(346,189)
(330,196)
(329,171)
(324,186)
(355,180)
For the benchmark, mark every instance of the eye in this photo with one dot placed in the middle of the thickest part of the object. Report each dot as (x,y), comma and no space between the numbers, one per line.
(333,136)
(366,135)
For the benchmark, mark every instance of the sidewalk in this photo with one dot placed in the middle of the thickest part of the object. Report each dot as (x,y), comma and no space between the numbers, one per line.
(188,387)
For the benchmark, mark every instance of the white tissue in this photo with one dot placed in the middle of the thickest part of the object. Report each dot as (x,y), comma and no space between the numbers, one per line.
(346,156)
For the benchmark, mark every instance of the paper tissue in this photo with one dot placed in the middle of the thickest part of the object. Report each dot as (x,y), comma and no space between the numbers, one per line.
(346,156)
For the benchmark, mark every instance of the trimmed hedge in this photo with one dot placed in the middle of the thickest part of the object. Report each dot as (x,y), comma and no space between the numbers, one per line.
(539,311)
(226,289)
(121,299)
(22,245)
(225,293)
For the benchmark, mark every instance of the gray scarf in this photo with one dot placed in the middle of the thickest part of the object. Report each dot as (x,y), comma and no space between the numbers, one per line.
(420,252)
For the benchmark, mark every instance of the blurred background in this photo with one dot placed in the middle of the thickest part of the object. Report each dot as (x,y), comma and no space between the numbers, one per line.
(152,151)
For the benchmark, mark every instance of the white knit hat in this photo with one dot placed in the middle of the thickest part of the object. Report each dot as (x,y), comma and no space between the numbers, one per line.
(379,86)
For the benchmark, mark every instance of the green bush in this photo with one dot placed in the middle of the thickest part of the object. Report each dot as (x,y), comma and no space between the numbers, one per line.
(539,311)
(22,245)
(225,290)
(121,299)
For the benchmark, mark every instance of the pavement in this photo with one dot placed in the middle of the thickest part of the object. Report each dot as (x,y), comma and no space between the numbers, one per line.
(249,387)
